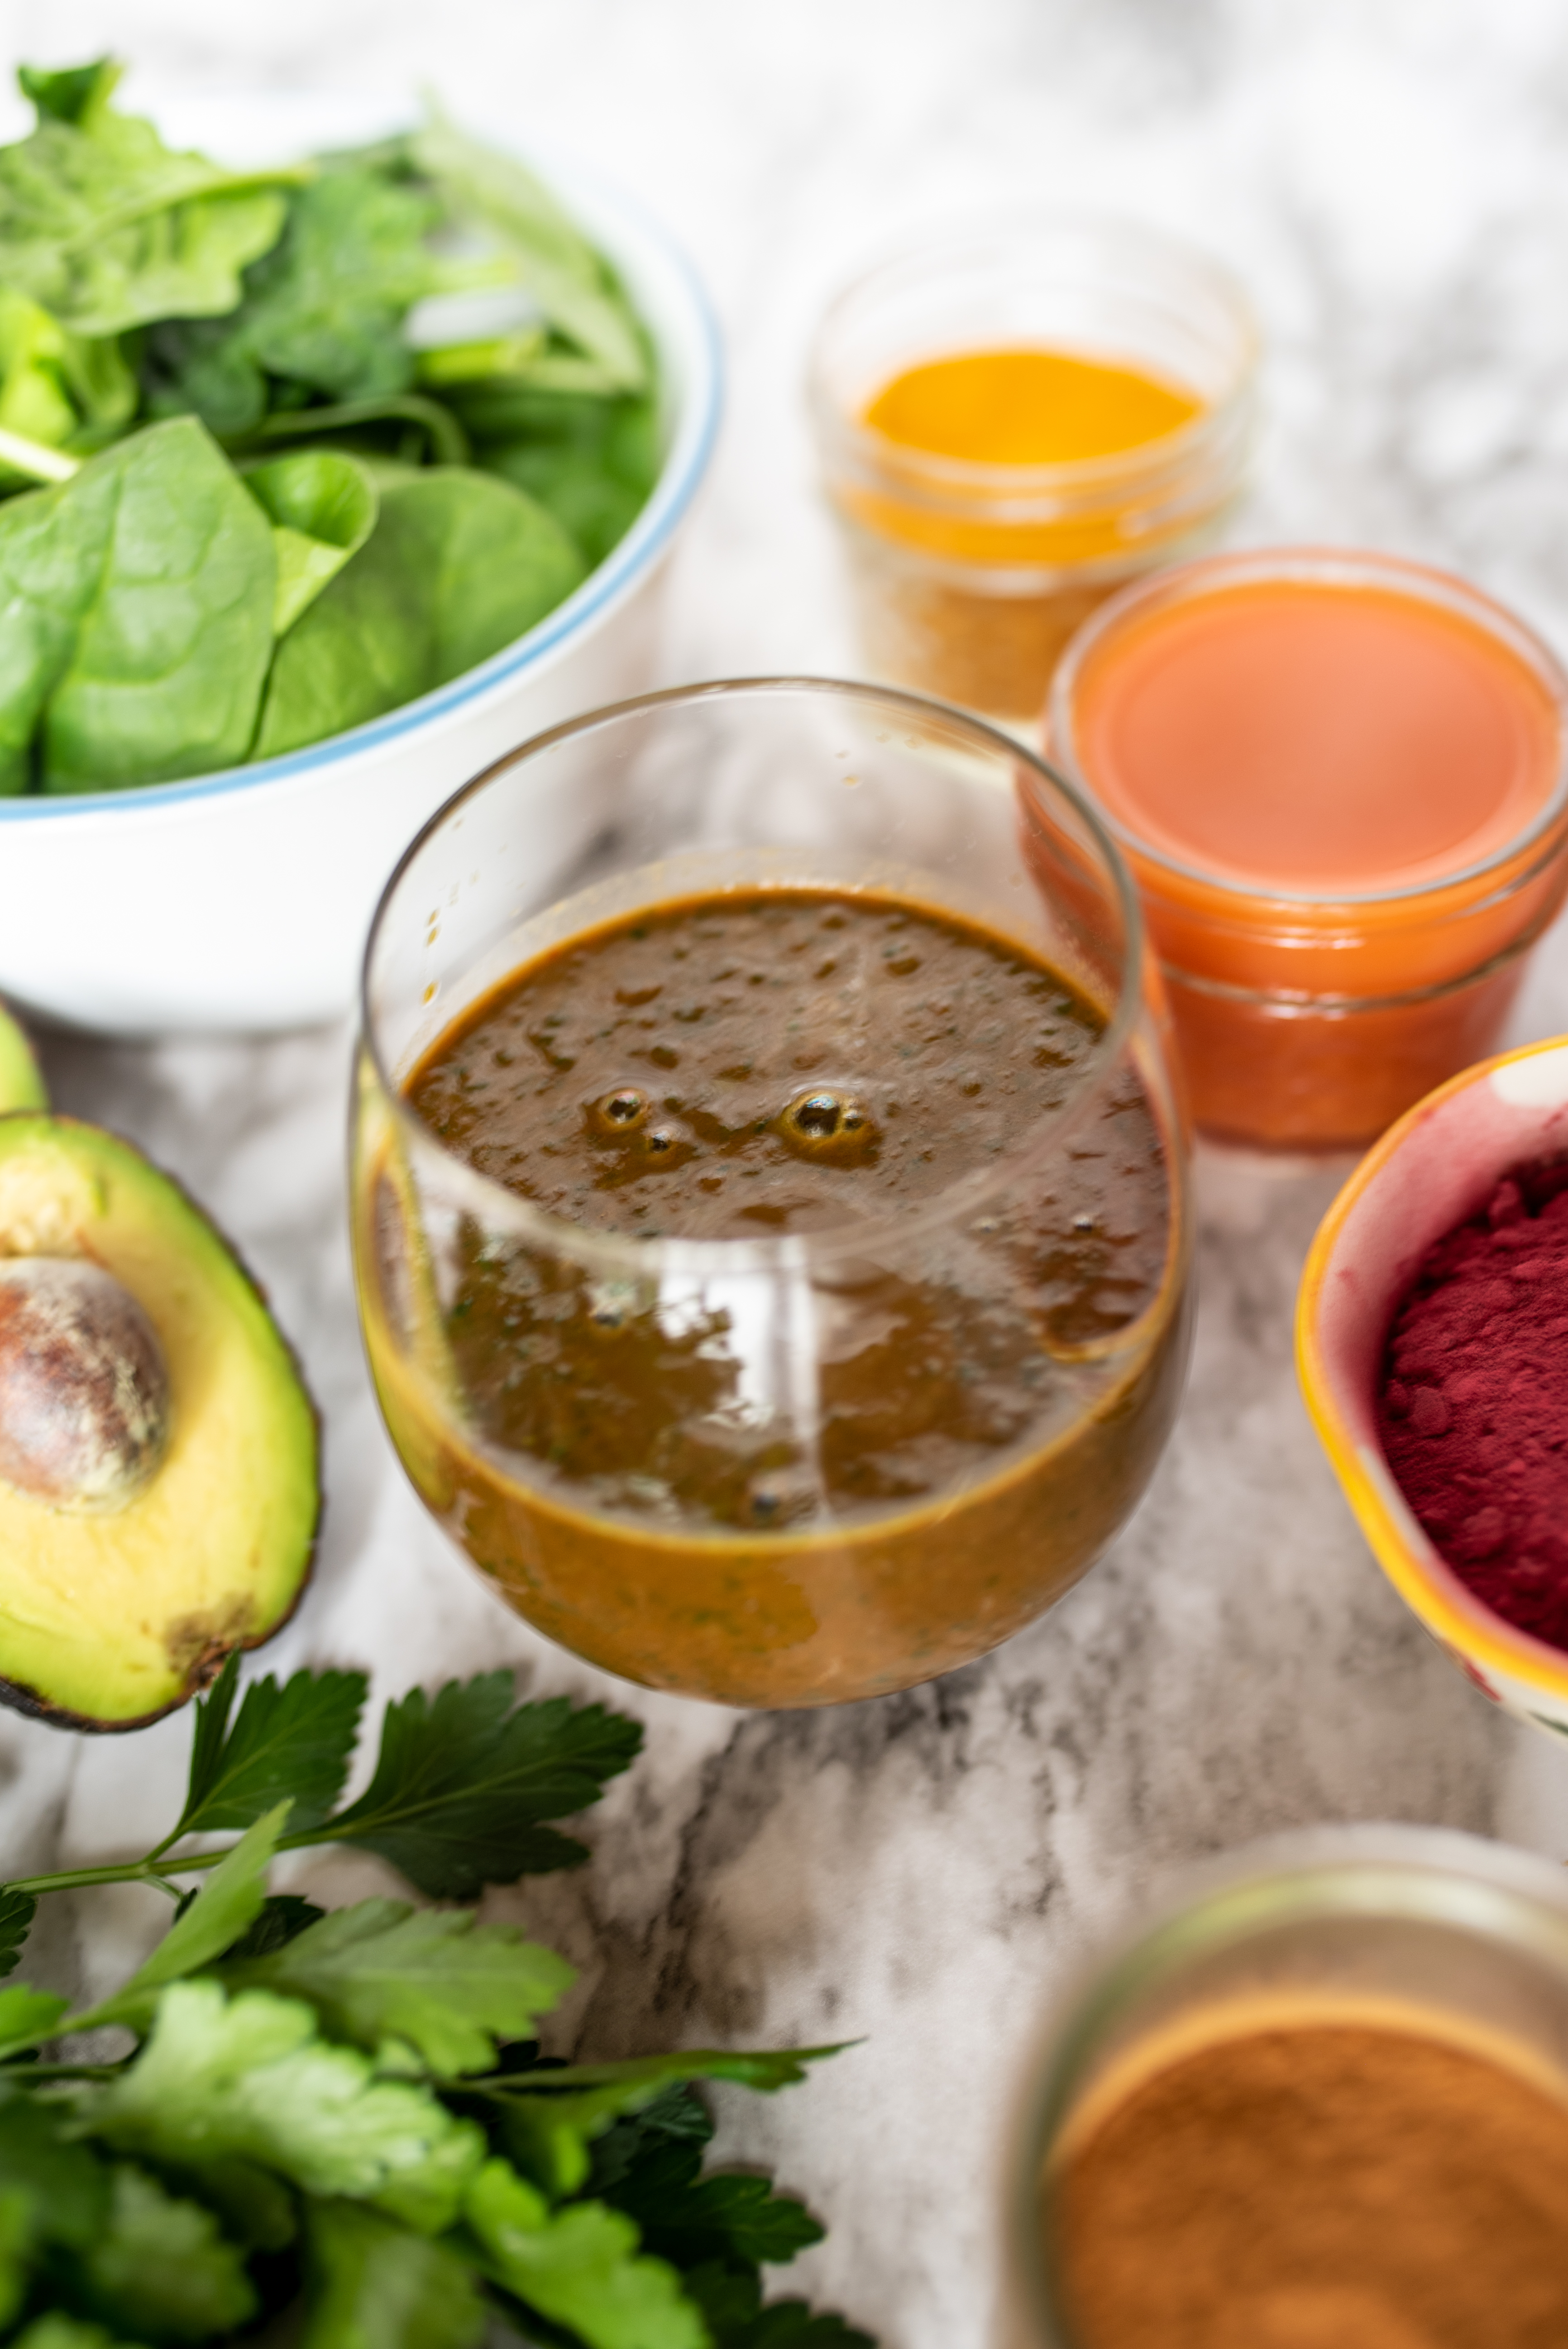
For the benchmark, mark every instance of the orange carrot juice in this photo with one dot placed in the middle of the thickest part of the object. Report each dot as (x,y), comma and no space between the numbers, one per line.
(1340,780)
(1013,423)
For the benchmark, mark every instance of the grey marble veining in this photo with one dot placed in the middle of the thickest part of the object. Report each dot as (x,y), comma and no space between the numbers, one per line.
(1391,176)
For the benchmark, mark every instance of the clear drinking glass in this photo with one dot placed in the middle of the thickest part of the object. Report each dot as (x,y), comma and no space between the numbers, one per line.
(1367,1921)
(545,1382)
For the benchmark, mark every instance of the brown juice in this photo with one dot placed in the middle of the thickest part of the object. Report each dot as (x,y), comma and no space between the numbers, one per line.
(815,1482)
(1328,2176)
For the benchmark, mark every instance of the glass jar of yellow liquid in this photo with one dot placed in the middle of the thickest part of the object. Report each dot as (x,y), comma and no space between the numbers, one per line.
(1012,422)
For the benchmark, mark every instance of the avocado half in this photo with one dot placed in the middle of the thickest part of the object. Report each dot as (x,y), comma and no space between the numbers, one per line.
(21,1086)
(109,1621)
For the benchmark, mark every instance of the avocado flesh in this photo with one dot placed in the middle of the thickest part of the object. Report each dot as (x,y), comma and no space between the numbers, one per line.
(21,1086)
(105,1622)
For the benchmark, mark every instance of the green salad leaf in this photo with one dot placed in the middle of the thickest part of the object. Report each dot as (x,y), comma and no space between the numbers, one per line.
(188,351)
(544,249)
(457,565)
(162,2266)
(337,2130)
(138,608)
(108,228)
(580,2266)
(372,2285)
(250,2078)
(448,1988)
(325,309)
(296,1741)
(322,507)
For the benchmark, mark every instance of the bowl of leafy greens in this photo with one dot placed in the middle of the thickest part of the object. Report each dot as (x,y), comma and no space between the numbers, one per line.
(323,482)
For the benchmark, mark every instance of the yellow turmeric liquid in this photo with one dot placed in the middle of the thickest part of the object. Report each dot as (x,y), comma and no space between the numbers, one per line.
(1027,408)
(965,620)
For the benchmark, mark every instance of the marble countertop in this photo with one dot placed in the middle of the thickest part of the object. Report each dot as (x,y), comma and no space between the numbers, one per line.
(1390,178)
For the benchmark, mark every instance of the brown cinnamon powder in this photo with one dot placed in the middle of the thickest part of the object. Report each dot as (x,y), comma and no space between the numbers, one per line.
(1322,2184)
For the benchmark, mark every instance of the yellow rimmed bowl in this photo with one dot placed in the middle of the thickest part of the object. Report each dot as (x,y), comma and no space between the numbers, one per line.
(1433,1169)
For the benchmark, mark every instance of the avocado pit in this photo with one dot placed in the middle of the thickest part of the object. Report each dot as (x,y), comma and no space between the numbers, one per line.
(84,1389)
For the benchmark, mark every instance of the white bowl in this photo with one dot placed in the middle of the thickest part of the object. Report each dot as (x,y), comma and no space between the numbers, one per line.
(241,900)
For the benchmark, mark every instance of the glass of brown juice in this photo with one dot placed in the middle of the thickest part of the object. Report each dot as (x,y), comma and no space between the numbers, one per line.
(769,1201)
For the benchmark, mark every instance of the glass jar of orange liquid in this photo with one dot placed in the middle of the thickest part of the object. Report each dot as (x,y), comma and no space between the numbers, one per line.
(1015,421)
(1340,780)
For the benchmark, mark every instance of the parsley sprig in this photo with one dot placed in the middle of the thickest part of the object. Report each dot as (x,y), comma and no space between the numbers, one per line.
(340,2122)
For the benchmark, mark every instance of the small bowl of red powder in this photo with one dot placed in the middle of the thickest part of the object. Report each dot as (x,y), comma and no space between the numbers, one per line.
(1432,1341)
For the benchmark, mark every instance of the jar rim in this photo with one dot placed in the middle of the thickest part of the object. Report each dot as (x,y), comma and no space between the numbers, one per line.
(1328,566)
(1035,230)
(624,1254)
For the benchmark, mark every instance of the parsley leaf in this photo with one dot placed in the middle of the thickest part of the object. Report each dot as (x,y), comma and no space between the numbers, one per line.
(374,2286)
(27,2015)
(580,2267)
(296,1741)
(436,1978)
(57,2331)
(281,1917)
(550,2122)
(731,2301)
(162,2267)
(17,1911)
(248,2076)
(462,1782)
(228,1901)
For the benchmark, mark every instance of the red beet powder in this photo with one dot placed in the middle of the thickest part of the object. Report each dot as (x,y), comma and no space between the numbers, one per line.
(1474,1408)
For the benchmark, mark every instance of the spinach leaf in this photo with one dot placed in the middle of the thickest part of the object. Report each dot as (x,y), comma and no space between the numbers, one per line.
(457,565)
(138,602)
(324,311)
(108,228)
(590,463)
(545,250)
(53,383)
(322,508)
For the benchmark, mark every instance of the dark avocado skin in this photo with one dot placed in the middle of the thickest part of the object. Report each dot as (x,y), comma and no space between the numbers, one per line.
(19,1696)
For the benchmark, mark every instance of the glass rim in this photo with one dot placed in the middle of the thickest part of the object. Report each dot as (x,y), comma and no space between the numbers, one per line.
(626,1254)
(1444,1876)
(1332,567)
(984,483)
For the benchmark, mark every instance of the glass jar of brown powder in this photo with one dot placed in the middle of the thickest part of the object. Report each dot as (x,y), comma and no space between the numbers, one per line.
(1319,2102)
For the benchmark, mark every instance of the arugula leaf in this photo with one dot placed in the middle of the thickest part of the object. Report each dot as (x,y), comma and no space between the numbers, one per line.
(457,565)
(549,2129)
(324,309)
(108,228)
(437,1979)
(372,2285)
(297,1741)
(17,1911)
(322,508)
(162,2267)
(138,600)
(227,1902)
(248,2077)
(547,252)
(462,1782)
(579,2267)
